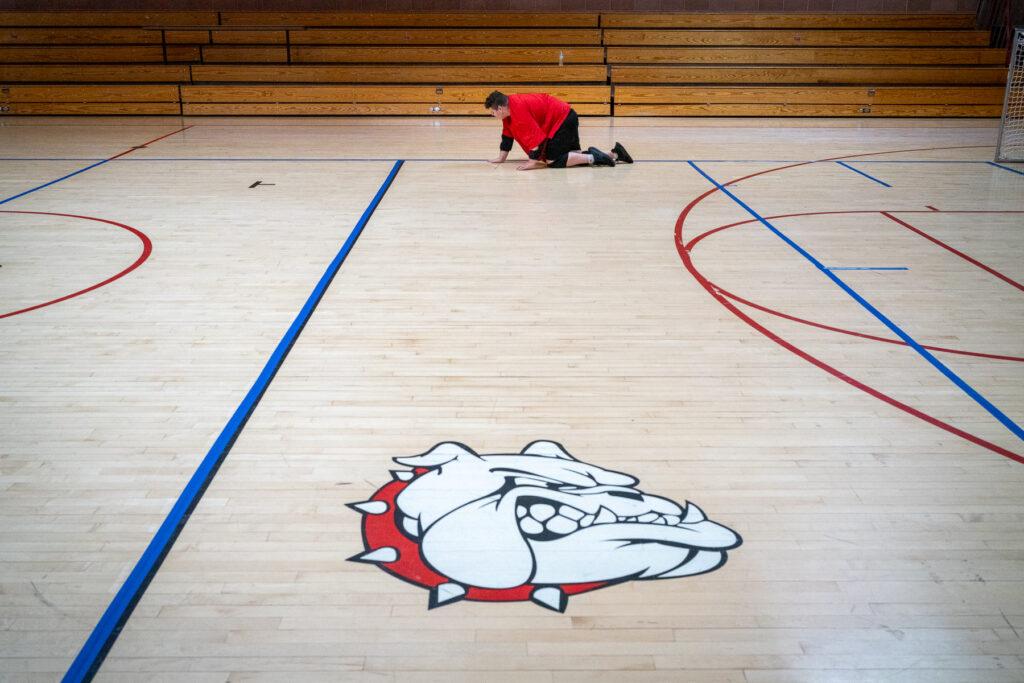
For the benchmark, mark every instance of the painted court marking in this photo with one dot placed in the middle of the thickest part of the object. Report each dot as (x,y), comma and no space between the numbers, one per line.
(1005,168)
(103,636)
(867,268)
(869,177)
(147,249)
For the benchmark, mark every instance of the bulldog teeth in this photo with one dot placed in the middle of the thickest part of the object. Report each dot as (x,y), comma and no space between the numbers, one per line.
(586,520)
(671,520)
(605,516)
(571,512)
(531,526)
(542,511)
(561,525)
(520,512)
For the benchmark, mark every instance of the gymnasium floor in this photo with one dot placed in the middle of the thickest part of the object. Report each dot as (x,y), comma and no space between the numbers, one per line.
(724,345)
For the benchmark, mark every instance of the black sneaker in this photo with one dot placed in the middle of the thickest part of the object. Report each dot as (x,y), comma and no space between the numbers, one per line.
(622,153)
(600,158)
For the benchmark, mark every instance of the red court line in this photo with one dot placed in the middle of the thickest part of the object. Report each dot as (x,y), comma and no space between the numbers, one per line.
(149,142)
(684,254)
(147,249)
(959,253)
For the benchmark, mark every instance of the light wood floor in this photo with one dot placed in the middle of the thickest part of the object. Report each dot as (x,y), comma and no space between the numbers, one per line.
(494,308)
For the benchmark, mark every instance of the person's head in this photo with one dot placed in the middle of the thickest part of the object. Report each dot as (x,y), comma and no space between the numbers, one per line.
(497,102)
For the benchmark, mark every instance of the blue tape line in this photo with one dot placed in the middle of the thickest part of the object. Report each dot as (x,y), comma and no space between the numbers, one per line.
(110,624)
(53,182)
(868,268)
(952,376)
(845,165)
(1005,168)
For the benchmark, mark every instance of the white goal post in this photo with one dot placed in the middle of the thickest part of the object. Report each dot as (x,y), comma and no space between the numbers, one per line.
(1011,129)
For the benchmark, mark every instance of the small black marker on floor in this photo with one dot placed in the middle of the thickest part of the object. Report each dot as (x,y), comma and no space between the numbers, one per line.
(260,182)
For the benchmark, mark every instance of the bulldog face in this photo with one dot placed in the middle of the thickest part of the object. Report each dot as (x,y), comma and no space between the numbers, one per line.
(542,517)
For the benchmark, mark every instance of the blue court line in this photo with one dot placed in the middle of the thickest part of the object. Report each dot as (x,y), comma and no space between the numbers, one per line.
(53,182)
(845,165)
(91,656)
(952,376)
(1005,168)
(868,268)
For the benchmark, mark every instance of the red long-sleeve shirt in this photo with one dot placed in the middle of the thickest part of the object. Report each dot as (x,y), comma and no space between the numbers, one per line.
(533,118)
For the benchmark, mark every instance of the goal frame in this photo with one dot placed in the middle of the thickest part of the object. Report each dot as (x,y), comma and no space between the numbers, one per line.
(1014,71)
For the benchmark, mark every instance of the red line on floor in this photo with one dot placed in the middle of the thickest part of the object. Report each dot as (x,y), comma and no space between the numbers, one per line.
(149,142)
(959,253)
(147,249)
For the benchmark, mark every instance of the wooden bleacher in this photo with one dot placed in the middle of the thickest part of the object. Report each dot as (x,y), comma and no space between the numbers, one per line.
(805,65)
(629,64)
(782,21)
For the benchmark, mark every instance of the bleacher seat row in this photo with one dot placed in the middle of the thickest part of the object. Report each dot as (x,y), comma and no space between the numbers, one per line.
(626,64)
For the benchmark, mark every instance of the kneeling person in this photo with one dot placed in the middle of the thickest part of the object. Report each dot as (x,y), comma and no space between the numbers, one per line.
(548,131)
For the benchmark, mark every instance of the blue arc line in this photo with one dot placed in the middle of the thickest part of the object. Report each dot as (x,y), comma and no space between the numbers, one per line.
(952,376)
(867,268)
(52,182)
(1005,168)
(92,654)
(845,165)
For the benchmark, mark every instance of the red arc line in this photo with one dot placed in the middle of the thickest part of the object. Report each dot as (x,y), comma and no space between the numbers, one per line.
(147,249)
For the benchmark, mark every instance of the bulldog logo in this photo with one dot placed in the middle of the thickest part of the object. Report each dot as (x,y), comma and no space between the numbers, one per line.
(538,525)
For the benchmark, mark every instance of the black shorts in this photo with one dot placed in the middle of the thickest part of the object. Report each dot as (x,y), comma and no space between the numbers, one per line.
(566,139)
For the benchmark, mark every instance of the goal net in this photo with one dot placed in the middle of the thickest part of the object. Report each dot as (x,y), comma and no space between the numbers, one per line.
(1011,129)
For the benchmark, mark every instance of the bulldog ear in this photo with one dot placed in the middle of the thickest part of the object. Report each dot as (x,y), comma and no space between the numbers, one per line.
(440,454)
(547,449)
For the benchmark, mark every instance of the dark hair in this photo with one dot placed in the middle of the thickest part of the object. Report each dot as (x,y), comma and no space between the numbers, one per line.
(496,99)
